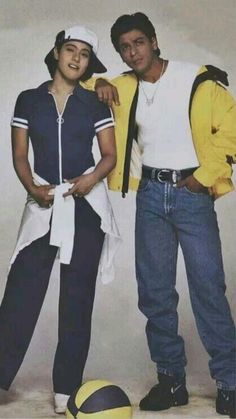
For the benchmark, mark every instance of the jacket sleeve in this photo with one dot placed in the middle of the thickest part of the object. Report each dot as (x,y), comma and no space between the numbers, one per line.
(221,142)
(90,83)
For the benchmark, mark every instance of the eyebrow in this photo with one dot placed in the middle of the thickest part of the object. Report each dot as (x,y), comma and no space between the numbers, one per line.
(74,46)
(139,37)
(134,40)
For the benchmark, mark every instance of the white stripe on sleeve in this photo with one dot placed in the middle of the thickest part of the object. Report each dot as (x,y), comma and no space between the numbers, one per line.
(110,124)
(19,122)
(16,124)
(102,121)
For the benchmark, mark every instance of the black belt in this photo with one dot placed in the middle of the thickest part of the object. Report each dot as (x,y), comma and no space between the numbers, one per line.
(166,175)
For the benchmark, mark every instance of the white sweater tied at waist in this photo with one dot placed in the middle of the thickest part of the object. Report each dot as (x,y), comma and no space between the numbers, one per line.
(35,223)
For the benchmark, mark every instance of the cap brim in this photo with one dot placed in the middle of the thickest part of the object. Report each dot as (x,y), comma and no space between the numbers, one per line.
(49,57)
(95,64)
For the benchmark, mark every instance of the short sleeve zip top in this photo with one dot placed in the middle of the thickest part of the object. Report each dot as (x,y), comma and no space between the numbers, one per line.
(62,143)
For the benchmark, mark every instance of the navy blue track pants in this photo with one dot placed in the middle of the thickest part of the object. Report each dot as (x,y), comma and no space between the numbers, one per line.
(24,295)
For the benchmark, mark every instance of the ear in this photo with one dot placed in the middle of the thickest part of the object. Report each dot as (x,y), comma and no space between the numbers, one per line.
(154,43)
(55,53)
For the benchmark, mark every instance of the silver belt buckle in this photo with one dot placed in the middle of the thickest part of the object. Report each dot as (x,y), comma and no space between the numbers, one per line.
(174,177)
(159,174)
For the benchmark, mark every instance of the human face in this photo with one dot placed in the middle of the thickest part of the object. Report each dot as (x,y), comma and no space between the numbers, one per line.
(137,51)
(73,59)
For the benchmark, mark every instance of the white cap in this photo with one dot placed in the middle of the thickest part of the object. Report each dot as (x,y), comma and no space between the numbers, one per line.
(80,33)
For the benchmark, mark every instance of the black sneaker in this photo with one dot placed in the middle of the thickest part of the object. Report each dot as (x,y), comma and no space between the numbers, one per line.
(226,403)
(166,394)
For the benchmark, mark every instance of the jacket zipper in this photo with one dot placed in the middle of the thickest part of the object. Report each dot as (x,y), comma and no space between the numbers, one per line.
(60,121)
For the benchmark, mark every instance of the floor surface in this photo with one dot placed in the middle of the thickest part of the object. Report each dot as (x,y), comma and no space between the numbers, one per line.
(24,404)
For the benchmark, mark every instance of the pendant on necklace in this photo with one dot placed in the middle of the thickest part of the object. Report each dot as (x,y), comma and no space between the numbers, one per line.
(149,101)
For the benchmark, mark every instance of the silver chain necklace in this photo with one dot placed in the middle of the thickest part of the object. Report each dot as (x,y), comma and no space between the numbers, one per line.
(150,100)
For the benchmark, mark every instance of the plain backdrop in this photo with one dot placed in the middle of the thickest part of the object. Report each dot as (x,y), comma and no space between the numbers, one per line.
(200,31)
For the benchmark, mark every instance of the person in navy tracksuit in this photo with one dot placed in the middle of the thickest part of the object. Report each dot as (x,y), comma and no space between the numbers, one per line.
(61,120)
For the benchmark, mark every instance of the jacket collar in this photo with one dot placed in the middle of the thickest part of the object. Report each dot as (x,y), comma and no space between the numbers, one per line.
(83,94)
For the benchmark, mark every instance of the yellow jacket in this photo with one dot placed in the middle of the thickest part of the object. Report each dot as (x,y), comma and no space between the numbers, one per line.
(213,124)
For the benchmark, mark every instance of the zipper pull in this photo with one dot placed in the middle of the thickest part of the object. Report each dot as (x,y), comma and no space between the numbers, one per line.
(60,120)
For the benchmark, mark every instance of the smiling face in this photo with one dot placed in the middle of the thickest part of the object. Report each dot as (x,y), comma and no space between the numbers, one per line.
(73,59)
(138,51)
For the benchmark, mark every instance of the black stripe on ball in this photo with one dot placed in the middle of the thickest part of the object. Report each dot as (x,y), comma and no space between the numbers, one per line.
(71,406)
(108,397)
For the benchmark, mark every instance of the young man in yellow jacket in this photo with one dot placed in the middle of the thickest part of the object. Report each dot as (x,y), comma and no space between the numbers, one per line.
(179,121)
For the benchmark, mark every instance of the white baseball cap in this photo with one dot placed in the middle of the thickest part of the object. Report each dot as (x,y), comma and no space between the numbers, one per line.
(79,33)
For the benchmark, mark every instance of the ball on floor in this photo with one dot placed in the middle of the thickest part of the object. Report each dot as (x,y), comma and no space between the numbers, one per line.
(98,399)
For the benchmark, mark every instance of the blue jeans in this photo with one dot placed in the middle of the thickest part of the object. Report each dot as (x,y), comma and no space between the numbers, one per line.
(166,217)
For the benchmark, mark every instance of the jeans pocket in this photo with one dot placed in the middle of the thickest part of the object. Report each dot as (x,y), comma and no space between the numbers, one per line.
(143,184)
(204,192)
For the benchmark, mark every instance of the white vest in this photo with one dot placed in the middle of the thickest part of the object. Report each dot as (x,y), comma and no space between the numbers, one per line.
(164,132)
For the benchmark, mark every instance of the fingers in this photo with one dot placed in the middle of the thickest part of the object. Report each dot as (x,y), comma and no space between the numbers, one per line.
(45,203)
(51,192)
(48,200)
(105,95)
(78,191)
(108,95)
(109,98)
(71,191)
(184,182)
(111,95)
(116,96)
(48,190)
(100,93)
(181,183)
(192,184)
(43,195)
(74,183)
(46,193)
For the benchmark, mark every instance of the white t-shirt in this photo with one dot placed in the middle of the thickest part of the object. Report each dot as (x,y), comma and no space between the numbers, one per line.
(164,132)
